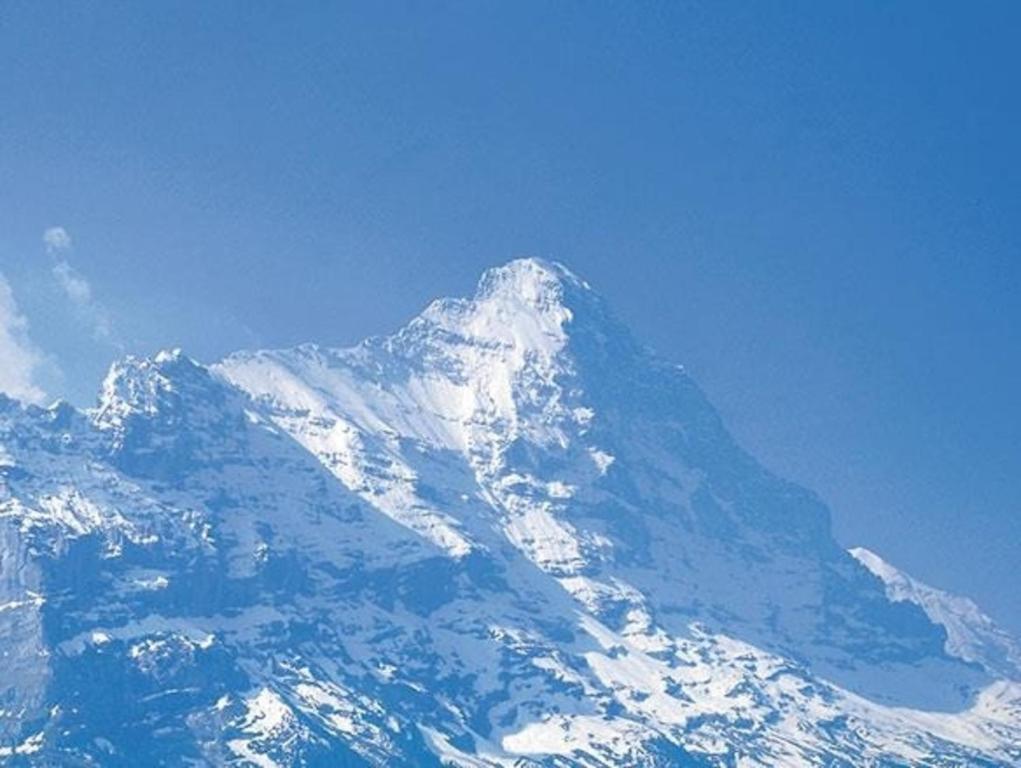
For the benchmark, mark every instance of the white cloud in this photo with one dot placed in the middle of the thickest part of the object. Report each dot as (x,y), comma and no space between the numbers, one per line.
(19,359)
(74,284)
(56,239)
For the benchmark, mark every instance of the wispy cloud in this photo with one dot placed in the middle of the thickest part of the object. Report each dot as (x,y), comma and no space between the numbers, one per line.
(74,284)
(20,360)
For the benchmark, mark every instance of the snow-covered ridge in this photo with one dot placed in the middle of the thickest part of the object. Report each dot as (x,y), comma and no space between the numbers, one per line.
(505,535)
(971,634)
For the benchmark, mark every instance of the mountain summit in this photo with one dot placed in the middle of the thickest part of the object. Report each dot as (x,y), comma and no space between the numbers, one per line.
(506,535)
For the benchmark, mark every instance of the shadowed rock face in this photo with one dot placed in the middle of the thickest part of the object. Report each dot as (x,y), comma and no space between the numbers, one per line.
(508,534)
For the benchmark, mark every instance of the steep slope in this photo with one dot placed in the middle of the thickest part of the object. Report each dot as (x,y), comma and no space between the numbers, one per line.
(505,535)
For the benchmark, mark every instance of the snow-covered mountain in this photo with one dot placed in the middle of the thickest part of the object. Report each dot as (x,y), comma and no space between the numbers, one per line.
(507,535)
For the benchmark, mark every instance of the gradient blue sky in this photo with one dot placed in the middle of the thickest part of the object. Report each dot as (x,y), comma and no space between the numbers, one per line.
(814,206)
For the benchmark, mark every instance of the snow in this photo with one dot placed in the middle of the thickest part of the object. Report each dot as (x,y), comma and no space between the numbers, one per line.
(29,746)
(562,735)
(267,716)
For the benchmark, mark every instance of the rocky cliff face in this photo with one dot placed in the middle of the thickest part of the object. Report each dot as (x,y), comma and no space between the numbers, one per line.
(505,535)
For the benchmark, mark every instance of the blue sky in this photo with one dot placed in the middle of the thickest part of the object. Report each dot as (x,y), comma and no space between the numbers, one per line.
(813,206)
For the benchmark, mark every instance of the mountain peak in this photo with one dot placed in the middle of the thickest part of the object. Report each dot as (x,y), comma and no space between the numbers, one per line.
(137,383)
(530,280)
(525,304)
(528,304)
(162,412)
